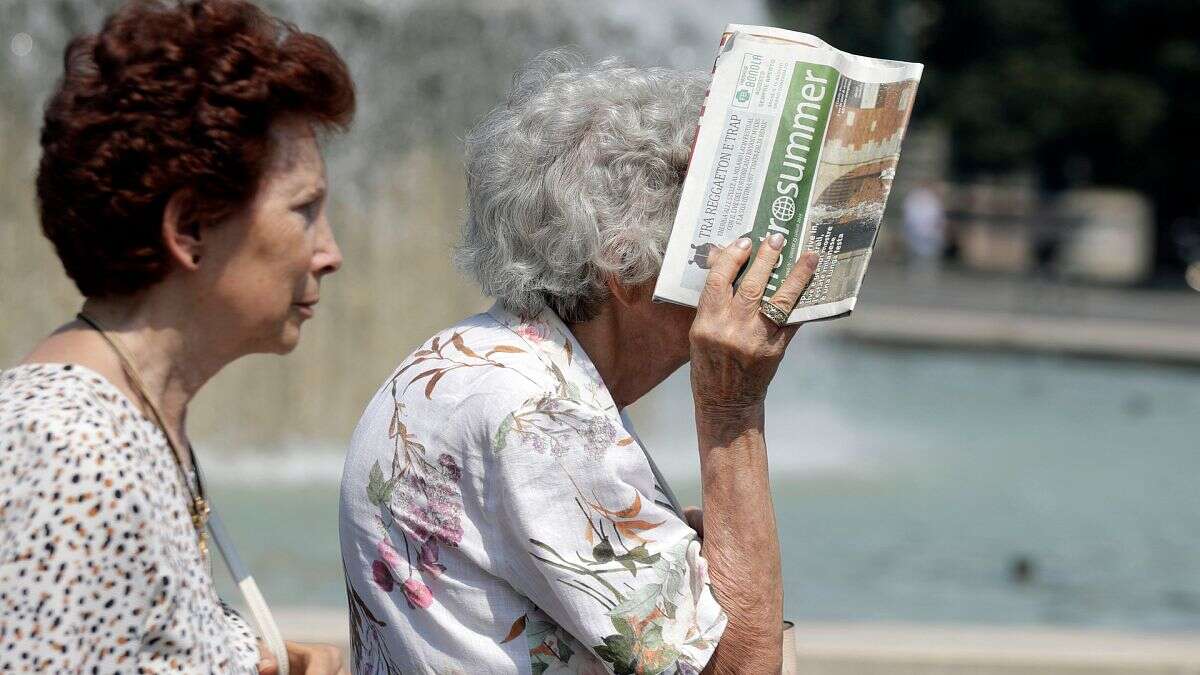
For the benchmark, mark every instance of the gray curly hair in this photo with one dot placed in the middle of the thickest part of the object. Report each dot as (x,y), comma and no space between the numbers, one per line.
(577,177)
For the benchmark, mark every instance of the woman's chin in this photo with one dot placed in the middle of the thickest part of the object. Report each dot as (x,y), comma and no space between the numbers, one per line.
(286,339)
(289,332)
(290,338)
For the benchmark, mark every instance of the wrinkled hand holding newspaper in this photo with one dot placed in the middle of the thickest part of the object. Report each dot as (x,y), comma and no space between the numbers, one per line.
(799,138)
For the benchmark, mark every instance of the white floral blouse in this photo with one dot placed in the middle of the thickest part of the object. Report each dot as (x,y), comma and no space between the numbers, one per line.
(498,516)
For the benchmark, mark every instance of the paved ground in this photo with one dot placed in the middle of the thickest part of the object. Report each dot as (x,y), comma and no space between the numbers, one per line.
(901,649)
(913,649)
(958,309)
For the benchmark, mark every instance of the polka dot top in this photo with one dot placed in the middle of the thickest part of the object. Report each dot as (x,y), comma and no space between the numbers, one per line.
(100,570)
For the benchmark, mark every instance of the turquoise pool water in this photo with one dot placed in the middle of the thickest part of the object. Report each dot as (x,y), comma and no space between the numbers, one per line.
(907,483)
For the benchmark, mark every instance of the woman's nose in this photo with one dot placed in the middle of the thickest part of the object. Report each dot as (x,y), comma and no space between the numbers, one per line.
(329,255)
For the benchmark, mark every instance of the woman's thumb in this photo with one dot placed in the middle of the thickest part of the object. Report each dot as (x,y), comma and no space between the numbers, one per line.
(267,665)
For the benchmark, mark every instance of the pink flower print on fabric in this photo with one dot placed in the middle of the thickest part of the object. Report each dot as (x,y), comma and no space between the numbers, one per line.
(389,555)
(535,331)
(538,443)
(450,470)
(382,575)
(599,435)
(417,523)
(450,533)
(429,559)
(440,518)
(417,594)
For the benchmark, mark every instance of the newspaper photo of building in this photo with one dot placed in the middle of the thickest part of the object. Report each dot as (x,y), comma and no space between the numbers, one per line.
(799,139)
(853,179)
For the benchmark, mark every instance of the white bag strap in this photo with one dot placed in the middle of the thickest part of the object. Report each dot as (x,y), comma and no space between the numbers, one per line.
(267,627)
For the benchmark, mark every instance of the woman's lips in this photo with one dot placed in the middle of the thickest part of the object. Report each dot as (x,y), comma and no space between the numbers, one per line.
(306,309)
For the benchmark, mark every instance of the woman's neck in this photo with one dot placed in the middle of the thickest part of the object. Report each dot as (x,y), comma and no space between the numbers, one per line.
(626,354)
(167,346)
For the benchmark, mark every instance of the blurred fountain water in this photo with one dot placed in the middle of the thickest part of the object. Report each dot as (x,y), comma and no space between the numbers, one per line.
(905,480)
(425,71)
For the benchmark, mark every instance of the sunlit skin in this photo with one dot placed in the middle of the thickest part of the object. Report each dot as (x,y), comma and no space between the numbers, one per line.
(263,274)
(237,287)
(635,344)
(242,286)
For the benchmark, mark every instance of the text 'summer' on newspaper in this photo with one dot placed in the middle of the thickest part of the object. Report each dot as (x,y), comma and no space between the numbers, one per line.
(799,138)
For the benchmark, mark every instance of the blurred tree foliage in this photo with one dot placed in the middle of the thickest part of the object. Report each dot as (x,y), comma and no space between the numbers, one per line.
(1080,91)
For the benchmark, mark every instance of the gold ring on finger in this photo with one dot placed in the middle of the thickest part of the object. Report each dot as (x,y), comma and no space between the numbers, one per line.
(777,316)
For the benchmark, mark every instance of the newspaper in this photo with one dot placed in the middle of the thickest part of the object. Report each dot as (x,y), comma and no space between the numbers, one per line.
(799,138)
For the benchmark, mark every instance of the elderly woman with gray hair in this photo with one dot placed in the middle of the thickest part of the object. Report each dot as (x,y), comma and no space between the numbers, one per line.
(498,512)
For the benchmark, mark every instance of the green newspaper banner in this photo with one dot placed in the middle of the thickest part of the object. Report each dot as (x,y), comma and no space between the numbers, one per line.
(788,183)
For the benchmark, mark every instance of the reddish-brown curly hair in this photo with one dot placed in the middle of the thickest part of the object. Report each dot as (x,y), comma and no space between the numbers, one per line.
(169,97)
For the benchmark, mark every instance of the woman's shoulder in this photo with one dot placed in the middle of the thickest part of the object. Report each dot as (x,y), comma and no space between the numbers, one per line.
(47,379)
(477,356)
(67,409)
(458,384)
(58,392)
(94,525)
(65,449)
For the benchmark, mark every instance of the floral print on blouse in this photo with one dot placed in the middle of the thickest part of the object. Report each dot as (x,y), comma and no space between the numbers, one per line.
(498,515)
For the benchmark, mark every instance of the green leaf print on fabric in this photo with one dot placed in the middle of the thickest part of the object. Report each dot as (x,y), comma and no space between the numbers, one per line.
(379,491)
(551,649)
(652,622)
(502,433)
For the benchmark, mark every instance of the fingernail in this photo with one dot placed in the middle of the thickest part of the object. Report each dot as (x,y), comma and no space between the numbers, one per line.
(810,260)
(743,243)
(775,241)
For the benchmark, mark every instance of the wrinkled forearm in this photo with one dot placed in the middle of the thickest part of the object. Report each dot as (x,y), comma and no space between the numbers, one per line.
(741,542)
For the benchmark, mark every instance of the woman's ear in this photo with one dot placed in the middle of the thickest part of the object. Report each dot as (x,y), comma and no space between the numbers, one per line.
(181,233)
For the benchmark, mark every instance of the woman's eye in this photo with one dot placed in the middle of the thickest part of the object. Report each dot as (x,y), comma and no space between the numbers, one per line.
(309,210)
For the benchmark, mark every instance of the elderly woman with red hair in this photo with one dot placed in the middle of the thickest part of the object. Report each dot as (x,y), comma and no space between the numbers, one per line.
(183,187)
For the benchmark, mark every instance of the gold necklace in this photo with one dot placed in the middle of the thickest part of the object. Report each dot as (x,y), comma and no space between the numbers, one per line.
(199,507)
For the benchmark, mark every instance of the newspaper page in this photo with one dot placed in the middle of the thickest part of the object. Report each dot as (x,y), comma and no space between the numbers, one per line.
(799,138)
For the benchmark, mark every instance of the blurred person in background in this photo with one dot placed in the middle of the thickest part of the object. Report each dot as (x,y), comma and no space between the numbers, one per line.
(924,228)
(498,512)
(183,188)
